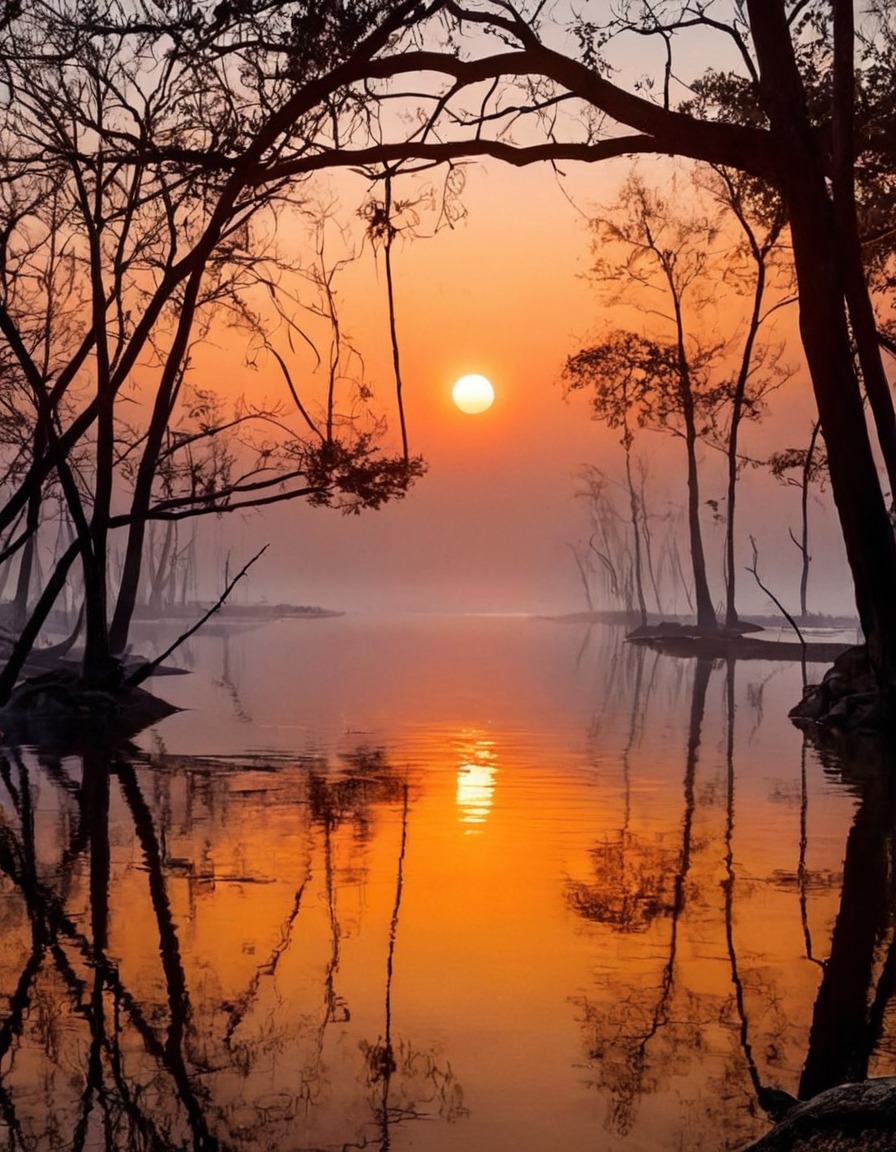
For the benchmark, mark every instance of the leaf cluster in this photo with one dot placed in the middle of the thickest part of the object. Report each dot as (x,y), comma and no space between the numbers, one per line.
(354,475)
(789,460)
(734,98)
(626,376)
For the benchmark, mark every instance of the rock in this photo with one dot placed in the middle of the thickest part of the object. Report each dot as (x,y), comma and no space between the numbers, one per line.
(56,711)
(848,698)
(848,1118)
(813,705)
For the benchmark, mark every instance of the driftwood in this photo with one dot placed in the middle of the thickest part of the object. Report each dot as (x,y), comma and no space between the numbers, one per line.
(848,1118)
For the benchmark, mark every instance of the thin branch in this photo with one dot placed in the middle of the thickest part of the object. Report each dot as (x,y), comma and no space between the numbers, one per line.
(790,620)
(146,670)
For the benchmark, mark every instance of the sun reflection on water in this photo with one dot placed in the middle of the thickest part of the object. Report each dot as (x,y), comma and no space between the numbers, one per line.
(476,780)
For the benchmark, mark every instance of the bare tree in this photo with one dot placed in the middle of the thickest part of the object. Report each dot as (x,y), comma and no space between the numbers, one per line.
(761,222)
(678,381)
(802,467)
(134,163)
(618,375)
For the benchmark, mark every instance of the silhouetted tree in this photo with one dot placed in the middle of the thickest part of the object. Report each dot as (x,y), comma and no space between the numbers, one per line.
(666,382)
(810,466)
(135,176)
(674,379)
(795,111)
(761,223)
(619,375)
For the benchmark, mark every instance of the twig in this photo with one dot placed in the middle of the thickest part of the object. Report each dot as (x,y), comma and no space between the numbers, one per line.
(790,620)
(146,670)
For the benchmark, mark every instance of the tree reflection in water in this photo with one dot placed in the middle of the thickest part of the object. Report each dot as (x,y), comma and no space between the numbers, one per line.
(639,1040)
(638,883)
(102,1048)
(851,1039)
(859,978)
(279,952)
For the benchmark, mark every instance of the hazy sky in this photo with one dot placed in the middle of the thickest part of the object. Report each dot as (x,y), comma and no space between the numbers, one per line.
(505,293)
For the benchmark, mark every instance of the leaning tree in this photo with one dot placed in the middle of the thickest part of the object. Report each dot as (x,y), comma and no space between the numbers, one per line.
(142,183)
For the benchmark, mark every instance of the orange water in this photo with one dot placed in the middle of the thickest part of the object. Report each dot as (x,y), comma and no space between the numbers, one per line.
(478,884)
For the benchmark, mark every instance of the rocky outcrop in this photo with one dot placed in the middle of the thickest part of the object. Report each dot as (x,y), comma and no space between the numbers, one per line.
(848,699)
(848,1118)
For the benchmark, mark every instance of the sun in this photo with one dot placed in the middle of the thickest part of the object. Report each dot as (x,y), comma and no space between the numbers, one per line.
(473,394)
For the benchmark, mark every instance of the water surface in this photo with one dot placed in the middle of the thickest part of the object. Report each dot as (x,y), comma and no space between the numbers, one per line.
(478,883)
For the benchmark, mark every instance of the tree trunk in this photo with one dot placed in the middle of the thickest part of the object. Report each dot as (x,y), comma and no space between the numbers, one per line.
(636,530)
(22,648)
(23,579)
(849,246)
(737,412)
(866,528)
(825,332)
(146,470)
(804,521)
(706,613)
(162,577)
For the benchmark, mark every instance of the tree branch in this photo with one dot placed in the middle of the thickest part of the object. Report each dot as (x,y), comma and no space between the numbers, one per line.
(146,670)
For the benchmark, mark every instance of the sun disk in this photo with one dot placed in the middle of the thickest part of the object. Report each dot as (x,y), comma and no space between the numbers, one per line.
(473,394)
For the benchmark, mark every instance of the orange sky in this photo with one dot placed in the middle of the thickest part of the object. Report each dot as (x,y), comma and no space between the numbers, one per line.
(488,529)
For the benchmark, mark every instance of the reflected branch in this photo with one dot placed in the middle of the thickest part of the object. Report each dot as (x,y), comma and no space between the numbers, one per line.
(728,886)
(772,1101)
(381,1055)
(169,946)
(178,998)
(268,969)
(702,673)
(802,872)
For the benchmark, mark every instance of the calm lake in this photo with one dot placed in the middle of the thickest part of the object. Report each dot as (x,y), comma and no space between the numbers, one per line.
(472,883)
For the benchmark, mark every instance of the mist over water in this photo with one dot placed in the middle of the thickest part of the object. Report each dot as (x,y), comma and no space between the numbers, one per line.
(481,883)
